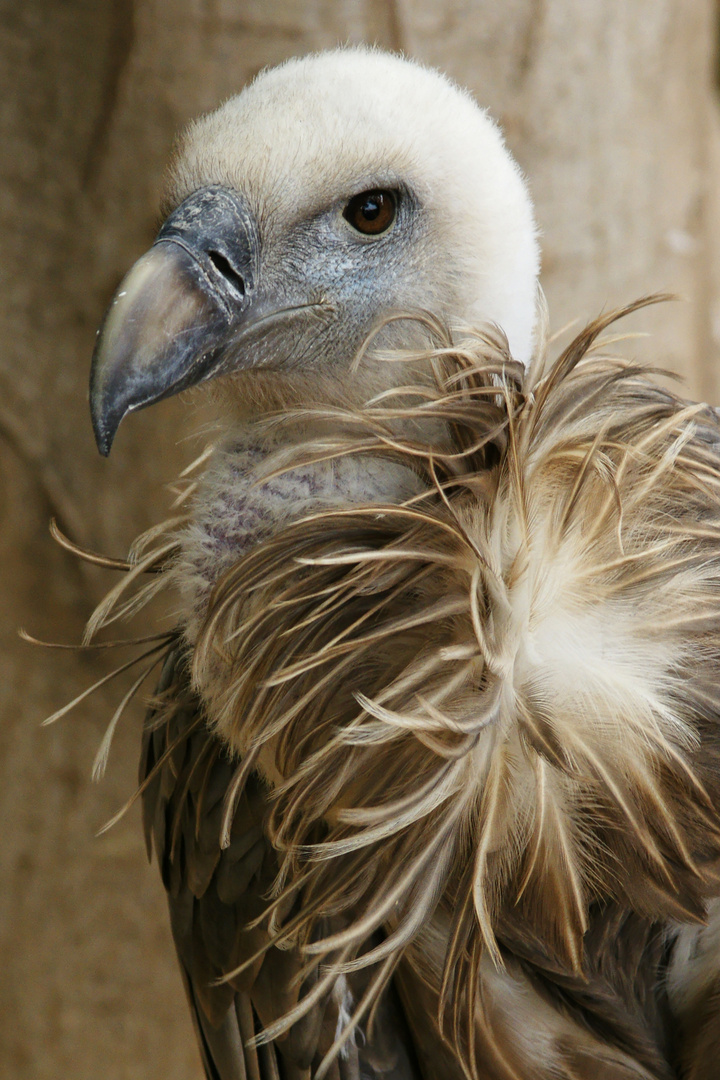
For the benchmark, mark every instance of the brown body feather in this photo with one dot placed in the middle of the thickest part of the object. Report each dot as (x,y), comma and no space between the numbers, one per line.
(487,726)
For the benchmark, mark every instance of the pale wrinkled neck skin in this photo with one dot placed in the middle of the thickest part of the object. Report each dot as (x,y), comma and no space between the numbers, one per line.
(235,508)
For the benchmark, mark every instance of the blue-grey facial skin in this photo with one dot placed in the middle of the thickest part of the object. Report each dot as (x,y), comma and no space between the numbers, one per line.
(225,290)
(322,286)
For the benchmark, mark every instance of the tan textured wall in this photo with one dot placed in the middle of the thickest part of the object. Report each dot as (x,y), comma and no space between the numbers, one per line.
(610,106)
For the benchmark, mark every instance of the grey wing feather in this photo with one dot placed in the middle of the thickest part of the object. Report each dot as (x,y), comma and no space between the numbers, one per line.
(213,894)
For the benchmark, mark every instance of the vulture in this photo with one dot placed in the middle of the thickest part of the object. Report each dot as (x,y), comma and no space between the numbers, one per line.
(432,769)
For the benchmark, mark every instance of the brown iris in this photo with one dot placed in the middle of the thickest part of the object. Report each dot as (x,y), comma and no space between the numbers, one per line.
(371,212)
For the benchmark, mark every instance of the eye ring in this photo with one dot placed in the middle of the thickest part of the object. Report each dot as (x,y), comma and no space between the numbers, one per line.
(371,212)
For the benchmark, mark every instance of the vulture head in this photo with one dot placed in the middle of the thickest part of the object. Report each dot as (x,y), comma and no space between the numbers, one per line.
(333,191)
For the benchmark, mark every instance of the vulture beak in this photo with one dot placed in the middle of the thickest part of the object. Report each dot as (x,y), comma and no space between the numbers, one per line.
(169,324)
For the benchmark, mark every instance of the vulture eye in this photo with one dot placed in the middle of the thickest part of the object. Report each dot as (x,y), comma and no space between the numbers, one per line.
(371,212)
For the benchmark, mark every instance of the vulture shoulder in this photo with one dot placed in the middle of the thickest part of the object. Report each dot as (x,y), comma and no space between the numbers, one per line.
(215,895)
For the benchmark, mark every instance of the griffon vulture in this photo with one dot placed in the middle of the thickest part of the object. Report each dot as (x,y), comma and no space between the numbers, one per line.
(432,770)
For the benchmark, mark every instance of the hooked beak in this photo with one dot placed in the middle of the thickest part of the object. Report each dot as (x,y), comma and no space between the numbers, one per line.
(174,313)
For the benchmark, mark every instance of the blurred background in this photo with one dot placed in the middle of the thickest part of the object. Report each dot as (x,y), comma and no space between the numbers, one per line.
(611,108)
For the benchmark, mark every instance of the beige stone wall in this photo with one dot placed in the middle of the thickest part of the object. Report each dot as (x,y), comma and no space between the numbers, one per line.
(610,106)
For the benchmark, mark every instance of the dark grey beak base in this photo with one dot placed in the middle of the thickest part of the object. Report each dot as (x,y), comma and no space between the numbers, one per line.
(171,316)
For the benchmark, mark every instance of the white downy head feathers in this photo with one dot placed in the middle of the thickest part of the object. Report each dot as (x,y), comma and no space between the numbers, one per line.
(317,129)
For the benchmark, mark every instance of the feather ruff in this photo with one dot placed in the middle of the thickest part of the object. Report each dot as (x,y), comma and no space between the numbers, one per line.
(487,715)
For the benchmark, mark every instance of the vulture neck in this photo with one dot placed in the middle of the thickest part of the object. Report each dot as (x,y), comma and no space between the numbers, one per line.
(254,486)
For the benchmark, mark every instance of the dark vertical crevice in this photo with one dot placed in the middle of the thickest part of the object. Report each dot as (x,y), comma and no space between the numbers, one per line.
(384,23)
(396,35)
(530,40)
(122,39)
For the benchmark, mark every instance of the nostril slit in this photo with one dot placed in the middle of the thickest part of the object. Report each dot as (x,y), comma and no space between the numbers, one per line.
(224,267)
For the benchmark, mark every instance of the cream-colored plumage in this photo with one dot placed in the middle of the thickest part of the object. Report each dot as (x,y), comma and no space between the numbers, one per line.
(305,135)
(447,659)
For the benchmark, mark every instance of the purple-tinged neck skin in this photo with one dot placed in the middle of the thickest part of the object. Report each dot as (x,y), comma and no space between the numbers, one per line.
(234,509)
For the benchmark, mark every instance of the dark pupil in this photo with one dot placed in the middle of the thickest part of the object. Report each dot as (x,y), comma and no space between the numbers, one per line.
(371,212)
(371,207)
